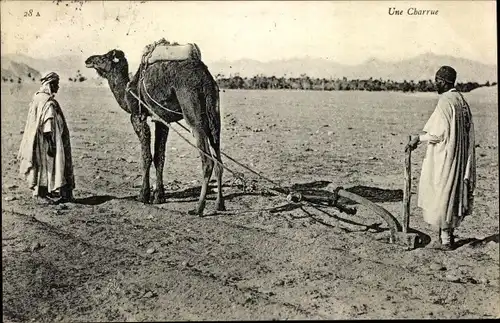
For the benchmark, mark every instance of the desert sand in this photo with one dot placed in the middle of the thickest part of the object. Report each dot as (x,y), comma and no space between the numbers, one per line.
(107,257)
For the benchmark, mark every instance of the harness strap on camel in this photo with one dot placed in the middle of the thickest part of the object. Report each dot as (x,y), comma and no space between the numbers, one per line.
(156,102)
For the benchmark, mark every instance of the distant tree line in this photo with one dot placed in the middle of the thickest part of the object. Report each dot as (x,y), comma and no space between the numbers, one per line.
(11,80)
(78,78)
(18,80)
(305,82)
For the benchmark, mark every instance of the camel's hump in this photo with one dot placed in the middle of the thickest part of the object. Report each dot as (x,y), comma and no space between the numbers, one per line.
(173,53)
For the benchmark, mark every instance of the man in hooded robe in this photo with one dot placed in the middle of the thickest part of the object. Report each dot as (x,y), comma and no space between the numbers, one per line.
(448,176)
(45,152)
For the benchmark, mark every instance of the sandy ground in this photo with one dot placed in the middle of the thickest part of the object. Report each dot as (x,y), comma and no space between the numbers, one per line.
(107,257)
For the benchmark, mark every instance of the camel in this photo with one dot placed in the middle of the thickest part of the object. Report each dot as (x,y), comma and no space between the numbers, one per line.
(185,90)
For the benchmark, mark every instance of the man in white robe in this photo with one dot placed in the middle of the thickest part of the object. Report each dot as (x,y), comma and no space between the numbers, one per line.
(448,176)
(45,152)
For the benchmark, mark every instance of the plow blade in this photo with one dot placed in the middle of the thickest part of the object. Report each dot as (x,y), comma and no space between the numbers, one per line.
(406,239)
(397,234)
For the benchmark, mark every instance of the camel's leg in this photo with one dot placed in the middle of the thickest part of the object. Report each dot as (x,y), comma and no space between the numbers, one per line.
(161,136)
(208,167)
(142,130)
(193,108)
(218,175)
(221,206)
(212,102)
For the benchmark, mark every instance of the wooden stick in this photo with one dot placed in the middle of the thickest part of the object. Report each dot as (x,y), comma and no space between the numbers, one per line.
(407,190)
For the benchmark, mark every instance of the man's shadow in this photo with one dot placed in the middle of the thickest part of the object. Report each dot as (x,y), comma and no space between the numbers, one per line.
(187,195)
(473,242)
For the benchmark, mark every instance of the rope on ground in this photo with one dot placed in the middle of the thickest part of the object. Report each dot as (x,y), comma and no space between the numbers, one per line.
(182,126)
(222,153)
(238,163)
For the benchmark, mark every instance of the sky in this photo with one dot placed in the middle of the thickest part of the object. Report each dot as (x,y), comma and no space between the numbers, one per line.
(348,32)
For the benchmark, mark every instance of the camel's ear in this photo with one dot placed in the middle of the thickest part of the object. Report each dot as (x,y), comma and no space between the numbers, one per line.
(115,60)
(117,55)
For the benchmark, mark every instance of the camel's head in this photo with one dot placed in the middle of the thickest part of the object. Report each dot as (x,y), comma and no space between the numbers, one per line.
(111,63)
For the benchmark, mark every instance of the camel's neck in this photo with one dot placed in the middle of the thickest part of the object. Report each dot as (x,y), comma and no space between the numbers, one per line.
(117,84)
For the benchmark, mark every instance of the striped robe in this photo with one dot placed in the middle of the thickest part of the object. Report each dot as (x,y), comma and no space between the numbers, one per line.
(36,167)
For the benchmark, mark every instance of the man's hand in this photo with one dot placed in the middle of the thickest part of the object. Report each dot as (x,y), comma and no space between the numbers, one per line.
(51,151)
(413,143)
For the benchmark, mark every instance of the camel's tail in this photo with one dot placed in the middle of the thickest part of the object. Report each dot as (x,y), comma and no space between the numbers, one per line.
(212,105)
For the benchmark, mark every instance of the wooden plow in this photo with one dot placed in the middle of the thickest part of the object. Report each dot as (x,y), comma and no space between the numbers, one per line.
(398,234)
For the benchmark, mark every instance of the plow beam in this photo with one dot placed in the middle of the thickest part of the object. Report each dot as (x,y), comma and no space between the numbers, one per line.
(296,197)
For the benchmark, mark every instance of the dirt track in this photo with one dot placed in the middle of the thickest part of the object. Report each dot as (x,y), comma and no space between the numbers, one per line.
(262,259)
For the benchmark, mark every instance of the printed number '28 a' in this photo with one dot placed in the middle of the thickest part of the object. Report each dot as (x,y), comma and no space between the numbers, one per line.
(30,13)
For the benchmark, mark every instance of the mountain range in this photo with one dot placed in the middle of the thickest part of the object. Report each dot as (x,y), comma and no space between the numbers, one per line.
(13,69)
(421,67)
(67,66)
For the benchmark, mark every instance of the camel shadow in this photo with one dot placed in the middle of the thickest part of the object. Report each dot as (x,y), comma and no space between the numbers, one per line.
(100,199)
(94,200)
(187,193)
(374,194)
(191,194)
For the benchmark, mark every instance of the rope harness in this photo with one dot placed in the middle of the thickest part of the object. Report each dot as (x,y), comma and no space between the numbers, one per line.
(238,175)
(156,102)
(291,196)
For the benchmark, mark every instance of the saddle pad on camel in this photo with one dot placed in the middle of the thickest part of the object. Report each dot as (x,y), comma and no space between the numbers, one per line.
(174,53)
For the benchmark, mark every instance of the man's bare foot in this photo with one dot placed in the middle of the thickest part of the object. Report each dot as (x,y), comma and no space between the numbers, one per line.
(63,200)
(43,200)
(438,245)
